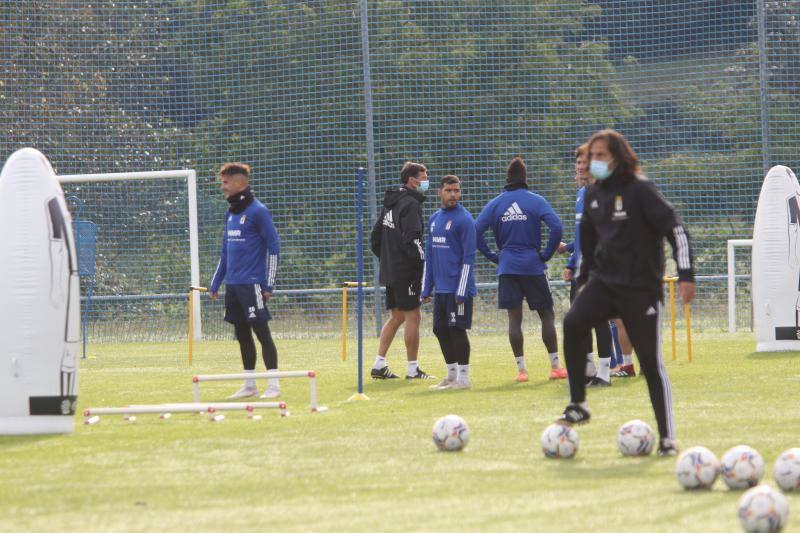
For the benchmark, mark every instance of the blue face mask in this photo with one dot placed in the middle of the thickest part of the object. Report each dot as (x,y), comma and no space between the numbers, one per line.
(599,169)
(423,186)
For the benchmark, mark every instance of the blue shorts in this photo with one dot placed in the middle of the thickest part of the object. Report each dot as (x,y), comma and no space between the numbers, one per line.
(449,314)
(513,288)
(245,303)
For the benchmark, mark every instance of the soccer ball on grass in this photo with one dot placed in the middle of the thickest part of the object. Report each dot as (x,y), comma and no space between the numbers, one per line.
(559,441)
(697,468)
(450,433)
(742,467)
(635,438)
(763,509)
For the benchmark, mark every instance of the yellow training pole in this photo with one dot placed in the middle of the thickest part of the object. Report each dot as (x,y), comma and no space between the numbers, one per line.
(688,312)
(346,285)
(192,290)
(671,285)
(344,321)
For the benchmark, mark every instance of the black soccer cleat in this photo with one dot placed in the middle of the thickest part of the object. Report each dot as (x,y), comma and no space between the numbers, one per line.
(574,414)
(421,374)
(667,448)
(383,373)
(597,381)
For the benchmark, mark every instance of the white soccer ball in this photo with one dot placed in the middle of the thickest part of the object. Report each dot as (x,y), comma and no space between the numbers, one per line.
(787,470)
(697,468)
(450,433)
(763,509)
(559,441)
(742,467)
(635,438)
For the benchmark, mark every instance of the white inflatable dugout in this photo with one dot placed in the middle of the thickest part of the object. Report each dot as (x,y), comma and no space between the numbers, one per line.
(776,263)
(39,300)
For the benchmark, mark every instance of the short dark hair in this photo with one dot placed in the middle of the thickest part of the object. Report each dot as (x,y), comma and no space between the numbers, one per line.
(232,169)
(517,172)
(410,170)
(626,159)
(450,179)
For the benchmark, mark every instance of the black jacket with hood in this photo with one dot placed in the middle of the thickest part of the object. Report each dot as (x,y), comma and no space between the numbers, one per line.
(624,222)
(397,237)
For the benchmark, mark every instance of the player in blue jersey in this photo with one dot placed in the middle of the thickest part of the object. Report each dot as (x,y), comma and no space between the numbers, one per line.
(601,375)
(515,217)
(449,271)
(248,265)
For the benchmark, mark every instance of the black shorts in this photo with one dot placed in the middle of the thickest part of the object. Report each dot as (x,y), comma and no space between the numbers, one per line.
(513,288)
(449,314)
(403,296)
(245,303)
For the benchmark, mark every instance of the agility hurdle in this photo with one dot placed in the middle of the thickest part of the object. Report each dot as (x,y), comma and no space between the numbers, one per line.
(166,409)
(310,374)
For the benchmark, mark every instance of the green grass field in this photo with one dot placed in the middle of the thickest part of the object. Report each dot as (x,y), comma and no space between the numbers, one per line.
(372,465)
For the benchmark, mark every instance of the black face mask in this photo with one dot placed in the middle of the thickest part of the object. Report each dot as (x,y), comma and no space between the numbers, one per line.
(240,201)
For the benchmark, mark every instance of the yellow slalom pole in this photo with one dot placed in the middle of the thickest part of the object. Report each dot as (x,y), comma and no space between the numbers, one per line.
(192,290)
(346,285)
(688,312)
(671,285)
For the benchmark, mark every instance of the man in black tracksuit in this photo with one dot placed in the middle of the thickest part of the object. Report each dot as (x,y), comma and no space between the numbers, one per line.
(624,221)
(397,241)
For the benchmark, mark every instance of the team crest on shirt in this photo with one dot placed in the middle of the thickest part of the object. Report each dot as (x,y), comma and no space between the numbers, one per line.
(619,211)
(230,217)
(433,225)
(449,225)
(241,220)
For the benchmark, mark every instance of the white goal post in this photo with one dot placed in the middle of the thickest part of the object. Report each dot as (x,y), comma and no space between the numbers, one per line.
(191,190)
(732,244)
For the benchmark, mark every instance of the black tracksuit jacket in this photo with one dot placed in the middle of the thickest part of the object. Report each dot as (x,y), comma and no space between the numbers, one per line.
(622,228)
(397,237)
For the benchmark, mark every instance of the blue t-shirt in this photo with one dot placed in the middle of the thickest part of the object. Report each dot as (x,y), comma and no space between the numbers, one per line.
(574,262)
(450,254)
(250,249)
(516,217)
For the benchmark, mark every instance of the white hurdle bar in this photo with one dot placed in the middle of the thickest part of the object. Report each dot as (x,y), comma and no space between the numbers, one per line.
(310,374)
(196,407)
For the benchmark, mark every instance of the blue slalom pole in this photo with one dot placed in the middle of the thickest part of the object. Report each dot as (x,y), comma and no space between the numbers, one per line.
(360,279)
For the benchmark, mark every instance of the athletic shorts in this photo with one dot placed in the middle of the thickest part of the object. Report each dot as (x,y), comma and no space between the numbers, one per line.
(245,303)
(513,288)
(403,296)
(448,313)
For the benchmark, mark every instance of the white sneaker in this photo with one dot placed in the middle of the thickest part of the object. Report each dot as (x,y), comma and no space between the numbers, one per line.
(244,392)
(443,384)
(460,385)
(271,392)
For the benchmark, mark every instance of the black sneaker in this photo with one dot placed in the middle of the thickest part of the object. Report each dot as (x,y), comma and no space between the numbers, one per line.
(590,378)
(420,375)
(667,448)
(383,373)
(597,381)
(574,414)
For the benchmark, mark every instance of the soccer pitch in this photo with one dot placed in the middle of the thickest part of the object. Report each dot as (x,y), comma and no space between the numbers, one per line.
(372,465)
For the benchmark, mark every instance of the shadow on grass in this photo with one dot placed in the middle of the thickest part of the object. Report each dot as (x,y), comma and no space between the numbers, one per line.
(8,442)
(631,467)
(772,356)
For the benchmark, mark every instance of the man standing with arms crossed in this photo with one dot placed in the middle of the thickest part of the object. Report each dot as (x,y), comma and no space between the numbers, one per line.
(449,269)
(624,222)
(248,265)
(515,217)
(396,240)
